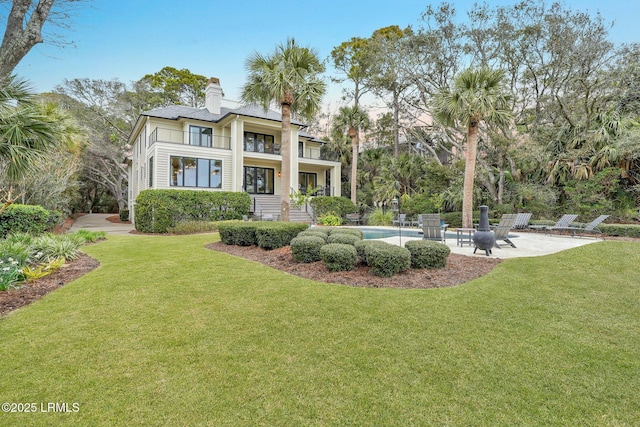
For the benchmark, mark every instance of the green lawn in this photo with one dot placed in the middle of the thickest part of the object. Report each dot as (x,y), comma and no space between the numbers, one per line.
(166,332)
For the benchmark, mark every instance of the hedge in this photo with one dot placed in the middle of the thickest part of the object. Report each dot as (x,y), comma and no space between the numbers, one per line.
(385,261)
(265,234)
(427,254)
(30,219)
(274,234)
(158,210)
(338,256)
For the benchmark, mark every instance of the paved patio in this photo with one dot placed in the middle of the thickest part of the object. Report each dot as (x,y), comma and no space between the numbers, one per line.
(527,243)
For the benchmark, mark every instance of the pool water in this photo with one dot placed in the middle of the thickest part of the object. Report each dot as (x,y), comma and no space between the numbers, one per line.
(378,233)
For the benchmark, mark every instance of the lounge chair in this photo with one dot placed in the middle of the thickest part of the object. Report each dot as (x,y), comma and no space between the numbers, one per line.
(563,224)
(522,221)
(501,231)
(401,221)
(432,228)
(591,227)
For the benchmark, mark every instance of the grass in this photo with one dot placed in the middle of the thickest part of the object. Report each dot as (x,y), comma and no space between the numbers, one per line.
(165,332)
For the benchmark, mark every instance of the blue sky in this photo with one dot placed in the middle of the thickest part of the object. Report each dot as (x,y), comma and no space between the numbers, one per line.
(126,39)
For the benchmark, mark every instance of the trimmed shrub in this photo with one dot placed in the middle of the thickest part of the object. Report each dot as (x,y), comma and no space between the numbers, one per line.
(274,235)
(385,261)
(427,254)
(24,219)
(306,248)
(338,256)
(345,238)
(158,210)
(315,233)
(192,227)
(346,230)
(622,230)
(361,246)
(238,233)
(124,215)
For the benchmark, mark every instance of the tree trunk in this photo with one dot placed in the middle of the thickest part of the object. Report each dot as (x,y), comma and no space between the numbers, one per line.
(20,37)
(469,176)
(396,124)
(353,134)
(285,181)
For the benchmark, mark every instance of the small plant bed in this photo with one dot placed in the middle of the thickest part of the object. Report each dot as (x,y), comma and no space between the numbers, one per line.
(30,291)
(459,269)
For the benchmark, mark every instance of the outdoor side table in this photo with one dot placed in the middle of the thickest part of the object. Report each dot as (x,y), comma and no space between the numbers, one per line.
(464,235)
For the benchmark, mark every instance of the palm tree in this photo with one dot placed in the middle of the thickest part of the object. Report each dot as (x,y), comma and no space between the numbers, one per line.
(354,120)
(476,96)
(289,77)
(27,129)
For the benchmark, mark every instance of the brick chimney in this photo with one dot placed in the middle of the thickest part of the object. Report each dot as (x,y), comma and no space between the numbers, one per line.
(213,95)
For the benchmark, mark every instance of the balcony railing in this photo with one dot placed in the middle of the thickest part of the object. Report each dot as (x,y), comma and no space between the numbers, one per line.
(188,138)
(264,148)
(313,153)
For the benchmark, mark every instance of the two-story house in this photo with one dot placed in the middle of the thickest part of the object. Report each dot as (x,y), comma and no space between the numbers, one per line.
(225,146)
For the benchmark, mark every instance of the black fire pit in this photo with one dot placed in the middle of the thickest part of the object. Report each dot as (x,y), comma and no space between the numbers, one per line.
(483,238)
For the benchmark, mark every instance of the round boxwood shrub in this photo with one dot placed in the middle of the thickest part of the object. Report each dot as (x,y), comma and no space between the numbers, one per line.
(344,230)
(313,232)
(306,248)
(338,256)
(361,246)
(385,261)
(427,254)
(347,239)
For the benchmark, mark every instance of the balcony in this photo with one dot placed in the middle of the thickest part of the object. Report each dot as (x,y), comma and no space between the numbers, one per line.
(314,153)
(189,138)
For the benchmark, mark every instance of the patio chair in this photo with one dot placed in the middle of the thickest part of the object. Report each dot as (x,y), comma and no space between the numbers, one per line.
(401,221)
(353,218)
(522,221)
(591,227)
(501,231)
(563,224)
(432,228)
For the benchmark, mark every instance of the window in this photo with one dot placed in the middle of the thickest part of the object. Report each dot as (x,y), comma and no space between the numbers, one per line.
(306,180)
(191,172)
(258,180)
(259,143)
(151,172)
(199,135)
(300,149)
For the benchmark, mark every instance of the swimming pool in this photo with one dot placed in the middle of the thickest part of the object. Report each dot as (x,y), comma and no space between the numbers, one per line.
(382,233)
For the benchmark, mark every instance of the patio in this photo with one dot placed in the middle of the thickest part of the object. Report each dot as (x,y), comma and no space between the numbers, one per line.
(528,244)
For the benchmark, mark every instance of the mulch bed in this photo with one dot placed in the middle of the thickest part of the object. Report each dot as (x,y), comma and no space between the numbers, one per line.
(460,269)
(29,292)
